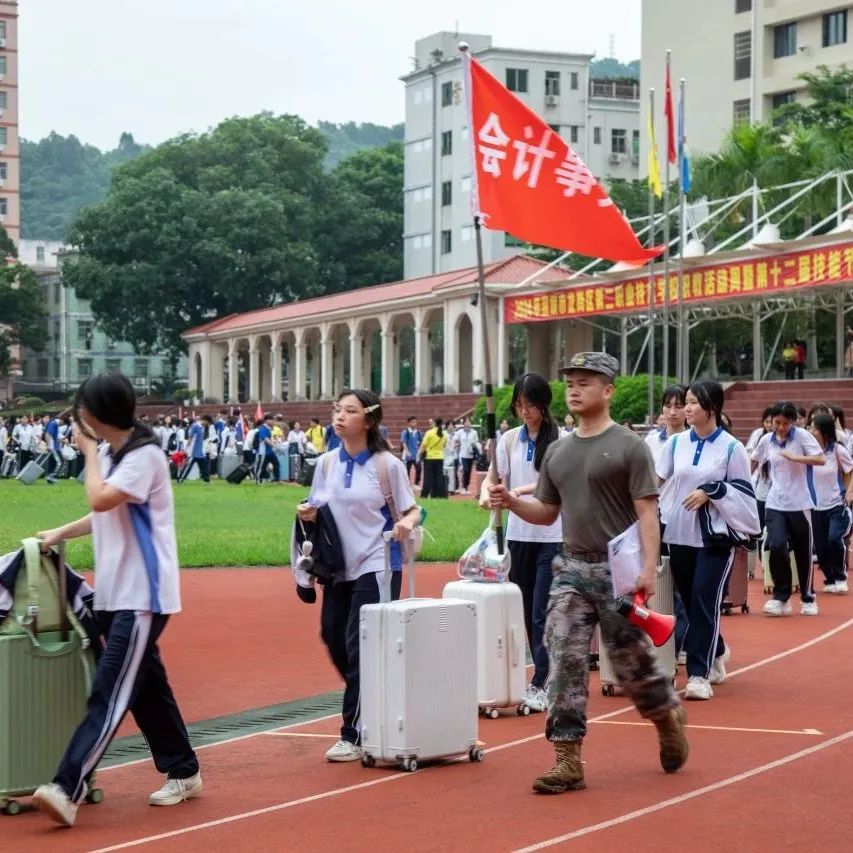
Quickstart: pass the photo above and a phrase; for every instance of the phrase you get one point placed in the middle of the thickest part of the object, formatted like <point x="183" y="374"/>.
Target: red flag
<point x="671" y="150"/>
<point x="530" y="183"/>
<point x="259" y="413"/>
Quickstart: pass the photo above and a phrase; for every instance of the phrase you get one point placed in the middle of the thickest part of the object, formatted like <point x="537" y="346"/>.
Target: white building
<point x="598" y="118"/>
<point x="740" y="58"/>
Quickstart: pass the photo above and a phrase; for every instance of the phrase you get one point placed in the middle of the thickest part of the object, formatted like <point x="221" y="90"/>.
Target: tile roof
<point x="512" y="270"/>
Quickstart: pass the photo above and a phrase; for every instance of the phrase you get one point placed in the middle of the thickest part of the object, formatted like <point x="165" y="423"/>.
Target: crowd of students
<point x="46" y="439"/>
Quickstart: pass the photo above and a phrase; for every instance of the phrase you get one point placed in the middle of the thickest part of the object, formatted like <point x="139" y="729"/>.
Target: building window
<point x="574" y="133"/>
<point x="574" y="79"/>
<point x="2" y="66"/>
<point x="509" y="240"/>
<point x="57" y="330"/>
<point x="835" y="28"/>
<point x="39" y="254"/>
<point x="446" y="94"/>
<point x="4" y="99"/>
<point x="555" y="128"/>
<point x="140" y="368"/>
<point x="3" y="171"/>
<point x="85" y="333"/>
<point x="2" y="29"/>
<point x="446" y="242"/>
<point x="618" y="141"/>
<point x="635" y="144"/>
<point x="782" y="98"/>
<point x="743" y="55"/>
<point x="741" y="111"/>
<point x="516" y="79"/>
<point x="41" y="366"/>
<point x="743" y="6"/>
<point x="4" y="206"/>
<point x="446" y="143"/>
<point x="113" y="365"/>
<point x="56" y="368"/>
<point x="56" y="293"/>
<point x="596" y="136"/>
<point x="4" y="135"/>
<point x="552" y="82"/>
<point x="84" y="368"/>
<point x="785" y="40"/>
<point x="446" y="193"/>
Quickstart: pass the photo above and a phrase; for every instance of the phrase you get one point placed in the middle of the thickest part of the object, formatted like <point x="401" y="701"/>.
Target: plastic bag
<point x="481" y="561"/>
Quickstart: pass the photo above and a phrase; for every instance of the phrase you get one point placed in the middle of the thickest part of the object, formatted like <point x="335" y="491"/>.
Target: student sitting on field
<point x="137" y="588"/>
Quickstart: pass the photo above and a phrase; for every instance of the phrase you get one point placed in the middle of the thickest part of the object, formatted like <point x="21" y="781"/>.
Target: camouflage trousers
<point x="581" y="596"/>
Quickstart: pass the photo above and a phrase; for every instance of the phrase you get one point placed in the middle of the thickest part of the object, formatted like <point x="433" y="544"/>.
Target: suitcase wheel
<point x="367" y="761"/>
<point x="11" y="807"/>
<point x="523" y="711"/>
<point x="744" y="608"/>
<point x="608" y="690"/>
<point x="492" y="713"/>
<point x="476" y="754"/>
<point x="95" y="796"/>
<point x="410" y="765"/>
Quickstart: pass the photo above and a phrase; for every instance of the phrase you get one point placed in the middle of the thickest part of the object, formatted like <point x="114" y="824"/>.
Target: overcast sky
<point x="96" y="68"/>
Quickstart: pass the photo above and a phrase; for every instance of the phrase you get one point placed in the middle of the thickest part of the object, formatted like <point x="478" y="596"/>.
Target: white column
<point x="316" y="377"/>
<point x="298" y="371"/>
<point x="339" y="354"/>
<point x="387" y="363"/>
<point x="275" y="369"/>
<point x="254" y="373"/>
<point x="356" y="361"/>
<point x="422" y="360"/>
<point x="326" y="366"/>
<point x="233" y="368"/>
<point x="451" y="376"/>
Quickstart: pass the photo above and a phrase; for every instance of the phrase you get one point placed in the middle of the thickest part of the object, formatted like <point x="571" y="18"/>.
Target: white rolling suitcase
<point x="30" y="473"/>
<point x="418" y="680"/>
<point x="501" y="665"/>
<point x="663" y="601"/>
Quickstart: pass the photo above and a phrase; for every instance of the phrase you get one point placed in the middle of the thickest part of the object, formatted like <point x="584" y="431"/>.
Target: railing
<point x="614" y="89"/>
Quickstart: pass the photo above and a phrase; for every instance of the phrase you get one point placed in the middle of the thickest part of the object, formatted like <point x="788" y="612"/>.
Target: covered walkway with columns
<point x="419" y="337"/>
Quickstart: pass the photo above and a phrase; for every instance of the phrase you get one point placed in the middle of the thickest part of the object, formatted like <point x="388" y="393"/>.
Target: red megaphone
<point x="658" y="626"/>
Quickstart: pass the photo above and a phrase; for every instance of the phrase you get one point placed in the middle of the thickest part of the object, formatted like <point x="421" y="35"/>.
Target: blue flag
<point x="683" y="154"/>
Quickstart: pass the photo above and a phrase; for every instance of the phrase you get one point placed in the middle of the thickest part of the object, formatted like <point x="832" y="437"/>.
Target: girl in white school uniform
<point x="136" y="590"/>
<point x="712" y="510"/>
<point x="831" y="518"/>
<point x="792" y="453"/>
<point x="349" y="481"/>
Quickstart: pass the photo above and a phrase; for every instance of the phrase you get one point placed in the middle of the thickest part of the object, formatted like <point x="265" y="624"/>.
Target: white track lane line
<point x="811" y="732"/>
<point x="690" y="795"/>
<point x="398" y="776"/>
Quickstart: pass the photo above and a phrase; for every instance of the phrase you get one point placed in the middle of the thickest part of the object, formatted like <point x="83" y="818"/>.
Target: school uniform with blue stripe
<point x="702" y="542"/>
<point x="136" y="590"/>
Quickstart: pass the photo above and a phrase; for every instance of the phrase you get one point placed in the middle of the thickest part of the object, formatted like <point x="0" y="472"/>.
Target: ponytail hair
<point x="439" y="423"/>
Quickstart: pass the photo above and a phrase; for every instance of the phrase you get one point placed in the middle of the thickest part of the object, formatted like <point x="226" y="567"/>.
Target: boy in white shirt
<point x="132" y="524"/>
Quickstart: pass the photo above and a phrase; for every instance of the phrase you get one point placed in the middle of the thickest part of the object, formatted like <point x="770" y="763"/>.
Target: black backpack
<point x="256" y="441"/>
<point x="172" y="441"/>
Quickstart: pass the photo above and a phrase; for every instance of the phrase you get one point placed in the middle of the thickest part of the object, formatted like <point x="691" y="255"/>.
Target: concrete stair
<point x="745" y="401"/>
<point x="395" y="410"/>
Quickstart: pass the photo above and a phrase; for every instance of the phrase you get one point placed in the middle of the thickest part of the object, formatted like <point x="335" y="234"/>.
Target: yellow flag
<point x="654" y="164"/>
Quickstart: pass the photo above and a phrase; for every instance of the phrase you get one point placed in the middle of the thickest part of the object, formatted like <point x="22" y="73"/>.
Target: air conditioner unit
<point x="615" y="159"/>
<point x="551" y="100"/>
<point x="2" y="42"/>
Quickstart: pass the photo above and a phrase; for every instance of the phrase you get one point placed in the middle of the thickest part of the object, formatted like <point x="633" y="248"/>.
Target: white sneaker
<point x="342" y="751"/>
<point x="55" y="803"/>
<point x="774" y="607"/>
<point x="698" y="688"/>
<point x="717" y="675"/>
<point x="831" y="588"/>
<point x="809" y="608"/>
<point x="176" y="791"/>
<point x="841" y="588"/>
<point x="535" y="698"/>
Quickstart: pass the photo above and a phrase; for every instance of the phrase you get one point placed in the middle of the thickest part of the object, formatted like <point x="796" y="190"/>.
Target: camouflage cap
<point x="596" y="362"/>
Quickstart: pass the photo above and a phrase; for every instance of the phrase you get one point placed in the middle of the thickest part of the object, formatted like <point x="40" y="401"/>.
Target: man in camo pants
<point x="601" y="479"/>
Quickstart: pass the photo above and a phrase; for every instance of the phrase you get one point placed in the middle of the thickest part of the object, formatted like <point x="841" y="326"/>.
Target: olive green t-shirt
<point x="595" y="481"/>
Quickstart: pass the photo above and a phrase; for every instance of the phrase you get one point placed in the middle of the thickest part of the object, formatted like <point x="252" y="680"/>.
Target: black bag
<point x="327" y="555"/>
<point x="172" y="441"/>
<point x="239" y="474"/>
<point x="482" y="462"/>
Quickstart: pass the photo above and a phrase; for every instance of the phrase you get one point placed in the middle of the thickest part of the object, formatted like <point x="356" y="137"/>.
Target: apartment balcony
<point x="615" y="90"/>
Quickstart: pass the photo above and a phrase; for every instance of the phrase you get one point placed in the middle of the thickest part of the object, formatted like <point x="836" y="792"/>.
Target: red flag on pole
<point x="259" y="413"/>
<point x="671" y="149"/>
<point x="529" y="182"/>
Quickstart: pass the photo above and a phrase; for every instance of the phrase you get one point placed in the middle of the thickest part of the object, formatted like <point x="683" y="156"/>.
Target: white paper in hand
<point x="625" y="556"/>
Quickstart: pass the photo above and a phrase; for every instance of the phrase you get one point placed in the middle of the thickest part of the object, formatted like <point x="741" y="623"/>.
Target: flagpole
<point x="651" y="242"/>
<point x="491" y="424"/>
<point x="681" y="344"/>
<point x="666" y="242"/>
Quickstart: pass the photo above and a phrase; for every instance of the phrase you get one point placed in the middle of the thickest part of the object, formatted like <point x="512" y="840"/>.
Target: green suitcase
<point x="45" y="673"/>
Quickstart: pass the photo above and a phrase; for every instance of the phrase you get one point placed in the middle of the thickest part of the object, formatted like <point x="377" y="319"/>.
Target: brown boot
<point x="567" y="773"/>
<point x="672" y="740"/>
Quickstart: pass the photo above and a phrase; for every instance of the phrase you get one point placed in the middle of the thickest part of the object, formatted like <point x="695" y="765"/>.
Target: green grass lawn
<point x="220" y="524"/>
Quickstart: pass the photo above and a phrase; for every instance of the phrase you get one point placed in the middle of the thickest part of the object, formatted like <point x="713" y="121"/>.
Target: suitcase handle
<point x="513" y="645"/>
<point x="408" y="555"/>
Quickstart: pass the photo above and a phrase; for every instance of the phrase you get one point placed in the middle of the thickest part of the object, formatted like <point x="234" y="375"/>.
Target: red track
<point x="246" y="641"/>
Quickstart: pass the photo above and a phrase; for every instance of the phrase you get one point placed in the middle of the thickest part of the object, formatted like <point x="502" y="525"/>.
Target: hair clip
<point x="373" y="408"/>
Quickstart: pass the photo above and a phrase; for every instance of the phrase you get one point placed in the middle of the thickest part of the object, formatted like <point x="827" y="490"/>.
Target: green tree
<point x="347" y="138"/>
<point x="203" y="225"/>
<point x="23" y="318"/>
<point x="828" y="104"/>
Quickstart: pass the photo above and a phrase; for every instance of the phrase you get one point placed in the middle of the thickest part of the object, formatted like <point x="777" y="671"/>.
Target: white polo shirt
<point x="522" y="473"/>
<point x="791" y="483"/>
<point x="136" y="555"/>
<point x="689" y="462"/>
<point x="351" y="489"/>
<point x="656" y="441"/>
<point x="828" y="478"/>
